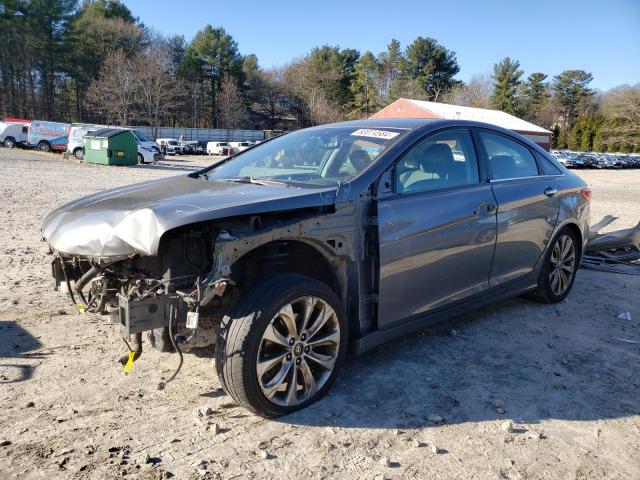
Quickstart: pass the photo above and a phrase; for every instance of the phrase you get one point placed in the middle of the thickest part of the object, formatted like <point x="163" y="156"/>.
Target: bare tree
<point x="270" y="96"/>
<point x="113" y="93"/>
<point x="231" y="108"/>
<point x="156" y="89"/>
<point x="477" y="93"/>
<point x="320" y="110"/>
<point x="622" y="107"/>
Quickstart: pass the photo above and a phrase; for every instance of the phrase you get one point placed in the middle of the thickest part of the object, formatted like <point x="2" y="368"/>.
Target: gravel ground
<point x="516" y="390"/>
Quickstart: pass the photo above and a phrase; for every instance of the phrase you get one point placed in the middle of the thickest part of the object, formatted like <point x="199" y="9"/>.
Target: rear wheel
<point x="559" y="268"/>
<point x="44" y="147"/>
<point x="140" y="159"/>
<point x="9" y="142"/>
<point x="281" y="347"/>
<point x="78" y="153"/>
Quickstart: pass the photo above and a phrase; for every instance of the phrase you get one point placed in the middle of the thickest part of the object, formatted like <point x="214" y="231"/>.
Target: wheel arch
<point x="297" y="255"/>
<point x="575" y="229"/>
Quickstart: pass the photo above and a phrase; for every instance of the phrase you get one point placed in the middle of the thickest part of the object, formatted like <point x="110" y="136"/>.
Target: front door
<point x="437" y="231"/>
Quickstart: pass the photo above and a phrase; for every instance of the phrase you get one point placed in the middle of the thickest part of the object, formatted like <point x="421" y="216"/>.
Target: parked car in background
<point x="13" y="134"/>
<point x="47" y="136"/>
<point x="219" y="148"/>
<point x="169" y="146"/>
<point x="75" y="142"/>
<point x="193" y="147"/>
<point x="353" y="233"/>
<point x="148" y="150"/>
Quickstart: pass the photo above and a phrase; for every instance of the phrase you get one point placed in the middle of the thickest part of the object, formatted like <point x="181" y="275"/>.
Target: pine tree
<point x="571" y="89"/>
<point x="214" y="53"/>
<point x="390" y="71"/>
<point x="536" y="94"/>
<point x="431" y="67"/>
<point x="506" y="81"/>
<point x="366" y="86"/>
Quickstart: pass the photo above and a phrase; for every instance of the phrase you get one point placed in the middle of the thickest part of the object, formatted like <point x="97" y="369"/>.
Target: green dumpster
<point x="110" y="146"/>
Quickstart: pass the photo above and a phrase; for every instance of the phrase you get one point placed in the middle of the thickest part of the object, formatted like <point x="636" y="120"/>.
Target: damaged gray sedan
<point x="344" y="235"/>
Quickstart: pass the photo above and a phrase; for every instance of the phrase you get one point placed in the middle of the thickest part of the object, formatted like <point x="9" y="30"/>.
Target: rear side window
<point x="443" y="160"/>
<point x="547" y="166"/>
<point x="508" y="159"/>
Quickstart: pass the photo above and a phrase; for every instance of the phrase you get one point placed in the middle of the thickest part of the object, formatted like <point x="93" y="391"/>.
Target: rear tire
<point x="245" y="346"/>
<point x="140" y="159"/>
<point x="79" y="153"/>
<point x="9" y="142"/>
<point x="559" y="269"/>
<point x="44" y="147"/>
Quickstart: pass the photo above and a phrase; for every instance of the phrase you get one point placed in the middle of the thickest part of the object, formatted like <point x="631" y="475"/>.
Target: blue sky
<point x="602" y="37"/>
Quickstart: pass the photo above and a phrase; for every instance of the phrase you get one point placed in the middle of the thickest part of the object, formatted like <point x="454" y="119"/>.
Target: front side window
<point x="318" y="156"/>
<point x="508" y="159"/>
<point x="443" y="160"/>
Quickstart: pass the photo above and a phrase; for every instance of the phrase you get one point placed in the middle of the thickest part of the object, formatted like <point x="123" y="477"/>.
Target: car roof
<point x="415" y="123"/>
<point x="402" y="123"/>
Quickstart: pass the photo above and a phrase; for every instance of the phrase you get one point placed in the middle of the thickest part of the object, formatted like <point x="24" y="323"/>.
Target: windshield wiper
<point x="246" y="179"/>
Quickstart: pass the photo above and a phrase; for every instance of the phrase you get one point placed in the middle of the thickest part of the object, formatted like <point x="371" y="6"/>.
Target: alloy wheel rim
<point x="563" y="264"/>
<point x="298" y="351"/>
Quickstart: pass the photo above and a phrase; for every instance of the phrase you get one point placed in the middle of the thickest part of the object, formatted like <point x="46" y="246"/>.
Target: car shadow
<point x="521" y="370"/>
<point x="17" y="347"/>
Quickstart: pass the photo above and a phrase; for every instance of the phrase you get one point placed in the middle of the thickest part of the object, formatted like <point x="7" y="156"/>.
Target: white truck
<point x="13" y="134"/>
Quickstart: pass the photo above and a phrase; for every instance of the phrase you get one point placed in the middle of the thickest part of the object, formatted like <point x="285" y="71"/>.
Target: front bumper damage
<point x="140" y="303"/>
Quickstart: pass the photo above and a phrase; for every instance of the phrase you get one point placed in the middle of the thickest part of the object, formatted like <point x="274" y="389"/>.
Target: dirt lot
<point x="570" y="388"/>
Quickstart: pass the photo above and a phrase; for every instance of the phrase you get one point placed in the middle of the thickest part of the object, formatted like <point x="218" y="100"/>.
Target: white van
<point x="240" y="146"/>
<point x="13" y="134"/>
<point x="171" y="145"/>
<point x="75" y="142"/>
<point x="217" y="148"/>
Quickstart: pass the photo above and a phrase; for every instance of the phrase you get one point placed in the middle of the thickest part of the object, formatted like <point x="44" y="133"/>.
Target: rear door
<point x="528" y="205"/>
<point x="437" y="230"/>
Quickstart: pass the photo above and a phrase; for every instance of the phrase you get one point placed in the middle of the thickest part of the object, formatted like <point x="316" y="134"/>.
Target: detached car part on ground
<point x="346" y="234"/>
<point x="616" y="252"/>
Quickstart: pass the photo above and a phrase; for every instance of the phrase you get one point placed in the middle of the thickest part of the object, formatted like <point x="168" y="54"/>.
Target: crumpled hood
<point x="129" y="220"/>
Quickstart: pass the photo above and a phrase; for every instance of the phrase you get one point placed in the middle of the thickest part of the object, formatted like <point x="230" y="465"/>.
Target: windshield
<point x="319" y="156"/>
<point x="172" y="142"/>
<point x="140" y="136"/>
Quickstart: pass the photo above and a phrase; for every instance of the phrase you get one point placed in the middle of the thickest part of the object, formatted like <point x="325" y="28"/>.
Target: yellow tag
<point x="129" y="365"/>
<point x="80" y="308"/>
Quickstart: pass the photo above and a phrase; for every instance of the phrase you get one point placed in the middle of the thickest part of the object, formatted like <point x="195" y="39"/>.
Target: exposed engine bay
<point x="180" y="295"/>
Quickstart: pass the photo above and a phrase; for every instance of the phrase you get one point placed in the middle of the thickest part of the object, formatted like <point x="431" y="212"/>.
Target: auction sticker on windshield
<point x="369" y="132"/>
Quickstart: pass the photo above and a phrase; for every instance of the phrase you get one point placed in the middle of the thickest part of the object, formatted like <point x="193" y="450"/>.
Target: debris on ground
<point x="616" y="252"/>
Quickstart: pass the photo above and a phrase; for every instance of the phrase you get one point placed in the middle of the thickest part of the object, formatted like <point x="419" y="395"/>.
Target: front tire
<point x="559" y="270"/>
<point x="282" y="345"/>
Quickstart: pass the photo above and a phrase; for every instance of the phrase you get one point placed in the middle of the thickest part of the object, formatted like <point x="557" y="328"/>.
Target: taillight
<point x="586" y="194"/>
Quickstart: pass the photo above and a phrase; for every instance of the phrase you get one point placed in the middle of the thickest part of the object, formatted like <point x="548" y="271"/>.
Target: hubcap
<point x="298" y="351"/>
<point x="563" y="263"/>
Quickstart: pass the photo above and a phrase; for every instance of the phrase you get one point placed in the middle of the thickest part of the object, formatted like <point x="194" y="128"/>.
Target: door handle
<point x="550" y="191"/>
<point x="488" y="207"/>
